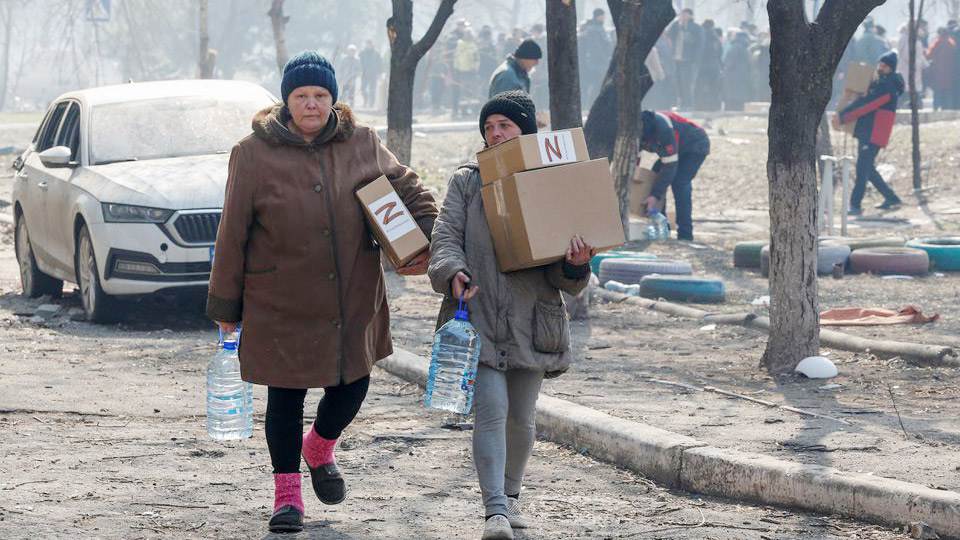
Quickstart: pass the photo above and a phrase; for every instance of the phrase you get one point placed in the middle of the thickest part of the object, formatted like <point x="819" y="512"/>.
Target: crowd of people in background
<point x="694" y="65"/>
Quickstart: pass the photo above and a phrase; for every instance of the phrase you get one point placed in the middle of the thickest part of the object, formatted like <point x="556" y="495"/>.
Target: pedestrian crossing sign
<point x="98" y="10"/>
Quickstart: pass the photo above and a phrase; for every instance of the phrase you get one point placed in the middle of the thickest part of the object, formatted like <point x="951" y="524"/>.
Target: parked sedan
<point x="122" y="188"/>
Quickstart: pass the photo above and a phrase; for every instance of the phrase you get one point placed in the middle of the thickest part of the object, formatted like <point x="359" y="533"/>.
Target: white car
<point x="122" y="188"/>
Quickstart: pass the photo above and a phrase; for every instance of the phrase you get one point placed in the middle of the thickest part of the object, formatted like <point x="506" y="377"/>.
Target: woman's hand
<point x="651" y="203"/>
<point x="580" y="251"/>
<point x="417" y="266"/>
<point x="459" y="284"/>
<point x="227" y="327"/>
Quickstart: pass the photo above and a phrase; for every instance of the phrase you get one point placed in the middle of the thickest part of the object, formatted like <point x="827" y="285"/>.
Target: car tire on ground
<point x="860" y="243"/>
<point x="747" y="254"/>
<point x="631" y="271"/>
<point x="100" y="307"/>
<point x="35" y="283"/>
<point x="700" y="290"/>
<point x="890" y="260"/>
<point x="944" y="252"/>
<point x="617" y="254"/>
<point x="829" y="254"/>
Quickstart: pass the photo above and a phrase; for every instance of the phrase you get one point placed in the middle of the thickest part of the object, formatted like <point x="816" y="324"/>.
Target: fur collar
<point x="270" y="124"/>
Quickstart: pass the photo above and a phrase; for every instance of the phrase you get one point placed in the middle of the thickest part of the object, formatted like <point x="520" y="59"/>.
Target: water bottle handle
<point x="462" y="296"/>
<point x="220" y="330"/>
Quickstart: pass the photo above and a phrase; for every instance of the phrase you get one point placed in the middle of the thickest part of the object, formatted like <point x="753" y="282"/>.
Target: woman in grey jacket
<point x="520" y="316"/>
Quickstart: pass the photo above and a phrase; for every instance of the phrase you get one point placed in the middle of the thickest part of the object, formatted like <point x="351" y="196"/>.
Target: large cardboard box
<point x="643" y="180"/>
<point x="858" y="77"/>
<point x="391" y="222"/>
<point x="848" y="97"/>
<point x="529" y="152"/>
<point x="534" y="214"/>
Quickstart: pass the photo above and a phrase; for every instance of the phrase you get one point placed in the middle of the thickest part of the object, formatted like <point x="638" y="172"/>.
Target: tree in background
<point x="564" y="69"/>
<point x="804" y="57"/>
<point x="602" y="123"/>
<point x="404" y="57"/>
<point x="207" y="57"/>
<point x="279" y="22"/>
<point x="914" y="95"/>
<point x="614" y="125"/>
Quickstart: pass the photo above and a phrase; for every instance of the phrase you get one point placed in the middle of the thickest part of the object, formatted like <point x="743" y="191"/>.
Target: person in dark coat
<point x="687" y="38"/>
<point x="513" y="73"/>
<point x="682" y="147"/>
<point x="295" y="264"/>
<point x="941" y="74"/>
<point x="736" y="73"/>
<point x="953" y="30"/>
<point x="594" y="49"/>
<point x="869" y="46"/>
<point x="372" y="66"/>
<point x="709" y="75"/>
<point x="874" y="114"/>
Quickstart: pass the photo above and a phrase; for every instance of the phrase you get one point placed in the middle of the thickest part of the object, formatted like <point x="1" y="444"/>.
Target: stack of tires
<point x="663" y="278"/>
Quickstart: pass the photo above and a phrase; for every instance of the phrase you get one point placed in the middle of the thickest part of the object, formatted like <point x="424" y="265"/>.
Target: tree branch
<point x="835" y="25"/>
<point x="421" y="47"/>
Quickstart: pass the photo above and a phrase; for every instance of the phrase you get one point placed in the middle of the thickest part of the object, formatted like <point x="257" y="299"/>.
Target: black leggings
<point x="284" y="421"/>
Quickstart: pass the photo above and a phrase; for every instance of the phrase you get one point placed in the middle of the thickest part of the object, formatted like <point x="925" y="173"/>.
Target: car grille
<point x="198" y="228"/>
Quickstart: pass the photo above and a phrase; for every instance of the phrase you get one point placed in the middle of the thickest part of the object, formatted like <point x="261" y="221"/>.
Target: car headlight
<point x="125" y="213"/>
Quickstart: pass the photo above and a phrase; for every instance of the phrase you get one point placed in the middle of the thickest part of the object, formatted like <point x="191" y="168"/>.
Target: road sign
<point x="98" y="10"/>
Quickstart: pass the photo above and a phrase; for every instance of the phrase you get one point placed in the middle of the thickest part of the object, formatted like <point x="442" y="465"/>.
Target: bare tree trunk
<point x="602" y="123"/>
<point x="564" y="69"/>
<point x="629" y="126"/>
<point x="279" y="23"/>
<point x="914" y="95"/>
<point x="206" y="58"/>
<point x="7" y="14"/>
<point x="804" y="57"/>
<point x="404" y="57"/>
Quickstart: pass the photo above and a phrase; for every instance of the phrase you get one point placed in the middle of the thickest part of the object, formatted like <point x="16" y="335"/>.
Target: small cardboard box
<point x="643" y="180"/>
<point x="391" y="222"/>
<point x="848" y="97"/>
<point x="534" y="214"/>
<point x="529" y="152"/>
<point x="858" y="77"/>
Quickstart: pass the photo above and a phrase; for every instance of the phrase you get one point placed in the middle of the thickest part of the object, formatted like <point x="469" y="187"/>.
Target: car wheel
<point x="98" y="304"/>
<point x="34" y="282"/>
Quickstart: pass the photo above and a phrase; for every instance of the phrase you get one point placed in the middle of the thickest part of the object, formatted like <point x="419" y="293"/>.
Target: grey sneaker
<point x="497" y="528"/>
<point x="515" y="514"/>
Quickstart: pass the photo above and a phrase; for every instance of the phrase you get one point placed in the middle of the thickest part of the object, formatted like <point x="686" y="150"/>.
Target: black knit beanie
<point x="890" y="59"/>
<point x="308" y="69"/>
<point x="528" y="49"/>
<point x="515" y="105"/>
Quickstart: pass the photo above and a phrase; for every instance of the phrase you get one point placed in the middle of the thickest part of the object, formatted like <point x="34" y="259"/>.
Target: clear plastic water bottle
<point x="616" y="286"/>
<point x="229" y="398"/>
<point x="659" y="228"/>
<point x="453" y="368"/>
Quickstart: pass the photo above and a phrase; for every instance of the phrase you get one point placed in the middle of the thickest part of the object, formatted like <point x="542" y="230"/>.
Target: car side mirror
<point x="56" y="157"/>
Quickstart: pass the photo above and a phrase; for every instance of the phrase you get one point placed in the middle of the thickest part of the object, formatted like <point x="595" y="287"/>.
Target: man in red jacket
<point x="874" y="114"/>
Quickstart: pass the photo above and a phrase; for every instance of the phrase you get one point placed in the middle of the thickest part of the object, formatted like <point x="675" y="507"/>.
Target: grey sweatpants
<point x="504" y="431"/>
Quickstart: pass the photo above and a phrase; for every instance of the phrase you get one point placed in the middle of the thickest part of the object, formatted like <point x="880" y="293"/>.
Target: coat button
<point x="331" y="276"/>
<point x="335" y="321"/>
<point x="325" y="232"/>
<point x="318" y="188"/>
<point x="503" y="353"/>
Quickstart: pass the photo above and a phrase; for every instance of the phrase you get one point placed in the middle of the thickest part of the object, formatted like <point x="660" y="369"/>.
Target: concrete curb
<point x="683" y="462"/>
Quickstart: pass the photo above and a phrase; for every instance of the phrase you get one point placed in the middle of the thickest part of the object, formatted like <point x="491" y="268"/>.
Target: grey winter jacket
<point x="520" y="315"/>
<point x="509" y="76"/>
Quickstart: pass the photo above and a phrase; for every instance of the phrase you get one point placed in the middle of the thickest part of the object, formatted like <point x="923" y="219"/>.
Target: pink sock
<point x="317" y="450"/>
<point x="286" y="491"/>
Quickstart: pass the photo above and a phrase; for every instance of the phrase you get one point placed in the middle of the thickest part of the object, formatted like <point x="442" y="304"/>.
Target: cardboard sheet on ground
<point x="874" y="316"/>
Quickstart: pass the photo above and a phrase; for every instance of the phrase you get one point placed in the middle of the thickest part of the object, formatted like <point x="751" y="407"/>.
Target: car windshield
<point x="170" y="127"/>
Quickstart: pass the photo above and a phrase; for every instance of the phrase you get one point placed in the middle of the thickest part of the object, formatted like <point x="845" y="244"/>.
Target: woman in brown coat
<point x="295" y="263"/>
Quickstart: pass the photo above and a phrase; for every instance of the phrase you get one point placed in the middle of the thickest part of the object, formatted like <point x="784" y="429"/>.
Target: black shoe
<point x="286" y="519"/>
<point x="855" y="211"/>
<point x="890" y="205"/>
<point x="328" y="483"/>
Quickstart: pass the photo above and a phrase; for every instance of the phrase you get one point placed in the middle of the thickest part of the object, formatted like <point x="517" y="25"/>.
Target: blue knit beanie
<point x="890" y="59"/>
<point x="308" y="69"/>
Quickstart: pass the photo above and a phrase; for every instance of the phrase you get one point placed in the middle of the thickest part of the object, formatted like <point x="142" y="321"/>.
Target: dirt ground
<point x="85" y="403"/>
